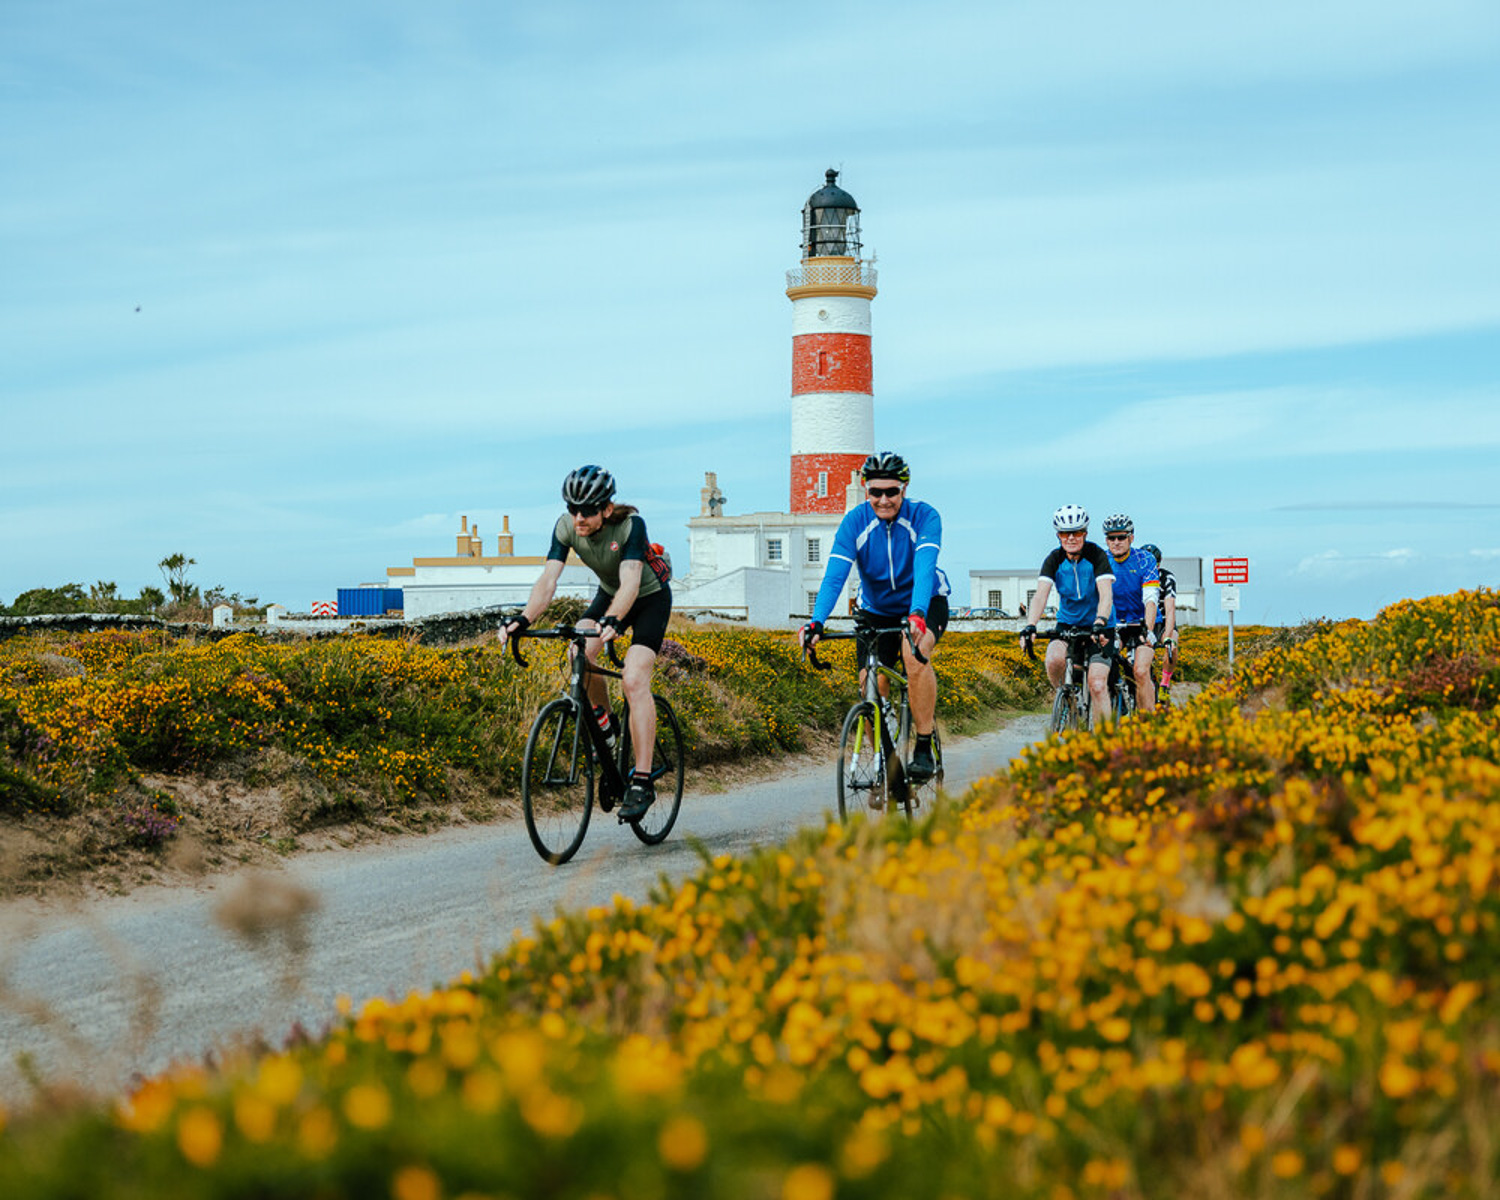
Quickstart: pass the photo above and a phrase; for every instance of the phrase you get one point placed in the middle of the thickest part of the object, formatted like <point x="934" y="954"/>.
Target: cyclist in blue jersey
<point x="894" y="544"/>
<point x="1137" y="584"/>
<point x="1084" y="577"/>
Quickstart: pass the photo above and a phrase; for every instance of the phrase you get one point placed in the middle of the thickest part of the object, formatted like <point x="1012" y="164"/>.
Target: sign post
<point x="1231" y="572"/>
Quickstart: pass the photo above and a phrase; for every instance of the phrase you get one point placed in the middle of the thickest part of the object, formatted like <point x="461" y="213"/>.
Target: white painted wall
<point x="450" y="589"/>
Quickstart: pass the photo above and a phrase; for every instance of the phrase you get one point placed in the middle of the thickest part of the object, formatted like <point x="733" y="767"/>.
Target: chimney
<point x="505" y="544"/>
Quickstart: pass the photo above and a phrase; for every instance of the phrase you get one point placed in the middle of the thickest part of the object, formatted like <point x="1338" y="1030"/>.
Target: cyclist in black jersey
<point x="611" y="541"/>
<point x="1166" y="611"/>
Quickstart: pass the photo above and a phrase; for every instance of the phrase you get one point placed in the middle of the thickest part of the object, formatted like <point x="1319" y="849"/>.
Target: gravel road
<point x="100" y="992"/>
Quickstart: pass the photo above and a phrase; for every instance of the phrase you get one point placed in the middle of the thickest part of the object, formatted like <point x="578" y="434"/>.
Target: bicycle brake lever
<point x="916" y="653"/>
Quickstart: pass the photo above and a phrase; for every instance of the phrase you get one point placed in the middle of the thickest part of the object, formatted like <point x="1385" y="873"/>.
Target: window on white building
<point x="814" y="550"/>
<point x="997" y="600"/>
<point x="812" y="601"/>
<point x="822" y="483"/>
<point x="773" y="549"/>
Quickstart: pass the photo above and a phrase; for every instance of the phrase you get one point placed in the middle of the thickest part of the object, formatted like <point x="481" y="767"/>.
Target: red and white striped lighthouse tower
<point x="833" y="394"/>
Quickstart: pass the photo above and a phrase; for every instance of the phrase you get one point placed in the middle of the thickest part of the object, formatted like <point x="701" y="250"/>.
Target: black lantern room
<point x="830" y="221"/>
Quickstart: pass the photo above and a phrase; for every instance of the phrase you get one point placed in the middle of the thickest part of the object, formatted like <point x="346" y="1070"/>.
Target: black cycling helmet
<point x="1154" y="551"/>
<point x="1118" y="523"/>
<point x="887" y="464"/>
<point x="589" y="485"/>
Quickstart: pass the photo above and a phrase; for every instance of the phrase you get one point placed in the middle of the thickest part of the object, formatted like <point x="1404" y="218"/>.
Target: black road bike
<point x="878" y="737"/>
<point x="567" y="749"/>
<point x="1072" y="704"/>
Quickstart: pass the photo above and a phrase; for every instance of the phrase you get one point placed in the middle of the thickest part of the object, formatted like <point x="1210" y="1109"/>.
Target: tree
<point x="174" y="568"/>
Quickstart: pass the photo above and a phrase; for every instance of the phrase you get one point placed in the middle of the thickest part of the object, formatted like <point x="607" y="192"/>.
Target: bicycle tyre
<point x="863" y="782"/>
<point x="667" y="773"/>
<point x="918" y="794"/>
<point x="1064" y="711"/>
<point x="557" y="782"/>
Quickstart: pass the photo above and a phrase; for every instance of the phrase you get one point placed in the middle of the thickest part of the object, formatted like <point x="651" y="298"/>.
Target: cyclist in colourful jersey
<point x="894" y="543"/>
<point x="1137" y="582"/>
<point x="1166" y="617"/>
<point x="611" y="541"/>
<point x="1084" y="577"/>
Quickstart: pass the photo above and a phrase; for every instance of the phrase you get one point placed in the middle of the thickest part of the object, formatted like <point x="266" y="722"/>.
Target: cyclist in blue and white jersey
<point x="1084" y="577"/>
<point x="894" y="544"/>
<point x="1137" y="583"/>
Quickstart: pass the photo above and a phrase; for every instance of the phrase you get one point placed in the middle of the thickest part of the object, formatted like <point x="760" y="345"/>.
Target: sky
<point x="291" y="288"/>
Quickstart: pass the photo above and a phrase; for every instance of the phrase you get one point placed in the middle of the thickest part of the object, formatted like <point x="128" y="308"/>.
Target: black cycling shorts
<point x="1132" y="634"/>
<point x="646" y="620"/>
<point x="1103" y="655"/>
<point x="888" y="645"/>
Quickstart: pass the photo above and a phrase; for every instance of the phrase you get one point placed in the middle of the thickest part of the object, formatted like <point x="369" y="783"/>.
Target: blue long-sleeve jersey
<point x="897" y="561"/>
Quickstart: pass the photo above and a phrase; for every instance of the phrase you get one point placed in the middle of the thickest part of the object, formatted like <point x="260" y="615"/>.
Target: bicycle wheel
<point x="863" y="781"/>
<point x="1065" y="712"/>
<point x="666" y="773"/>
<point x="557" y="782"/>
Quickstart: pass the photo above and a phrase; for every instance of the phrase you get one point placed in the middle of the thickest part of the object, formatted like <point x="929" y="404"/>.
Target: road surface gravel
<point x="103" y="991"/>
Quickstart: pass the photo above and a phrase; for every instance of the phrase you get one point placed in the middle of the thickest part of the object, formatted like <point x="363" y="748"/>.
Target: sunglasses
<point x="584" y="510"/>
<point x="1115" y="537"/>
<point x="883" y="493"/>
<point x="1071" y="533"/>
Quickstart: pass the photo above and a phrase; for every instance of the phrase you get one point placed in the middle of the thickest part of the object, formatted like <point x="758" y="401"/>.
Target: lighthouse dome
<point x="830" y="195"/>
<point x="830" y="221"/>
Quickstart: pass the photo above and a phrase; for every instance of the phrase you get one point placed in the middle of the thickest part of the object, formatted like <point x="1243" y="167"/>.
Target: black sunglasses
<point x="882" y="493"/>
<point x="584" y="510"/>
<point x="1115" y="537"/>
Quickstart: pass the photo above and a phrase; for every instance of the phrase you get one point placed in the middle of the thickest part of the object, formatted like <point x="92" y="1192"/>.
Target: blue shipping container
<point x="369" y="601"/>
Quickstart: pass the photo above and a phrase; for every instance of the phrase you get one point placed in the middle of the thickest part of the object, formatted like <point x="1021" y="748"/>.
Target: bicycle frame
<point x="880" y="772"/>
<point x="1073" y="703"/>
<point x="611" y="780"/>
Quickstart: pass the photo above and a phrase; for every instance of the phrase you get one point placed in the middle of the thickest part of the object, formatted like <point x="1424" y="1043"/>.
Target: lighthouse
<point x="765" y="568"/>
<point x="833" y="396"/>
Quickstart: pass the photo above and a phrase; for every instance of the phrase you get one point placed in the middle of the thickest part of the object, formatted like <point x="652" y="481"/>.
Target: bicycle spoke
<point x="557" y="782"/>
<point x="666" y="775"/>
<point x="862" y="770"/>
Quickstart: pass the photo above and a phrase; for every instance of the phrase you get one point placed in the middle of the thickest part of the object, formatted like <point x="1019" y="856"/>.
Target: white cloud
<point x="1335" y="563"/>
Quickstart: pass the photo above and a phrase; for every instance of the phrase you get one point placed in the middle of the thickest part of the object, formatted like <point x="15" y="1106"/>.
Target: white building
<point x="1011" y="590"/>
<point x="469" y="578"/>
<point x="762" y="568"/>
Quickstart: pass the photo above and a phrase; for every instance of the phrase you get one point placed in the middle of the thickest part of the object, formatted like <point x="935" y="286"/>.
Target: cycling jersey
<point x="1077" y="583"/>
<point x="1136" y="584"/>
<point x="897" y="561"/>
<point x="604" y="551"/>
<point x="1168" y="588"/>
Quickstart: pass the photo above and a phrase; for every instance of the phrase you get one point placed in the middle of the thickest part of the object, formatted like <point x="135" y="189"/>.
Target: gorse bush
<point x="1244" y="949"/>
<point x="384" y="724"/>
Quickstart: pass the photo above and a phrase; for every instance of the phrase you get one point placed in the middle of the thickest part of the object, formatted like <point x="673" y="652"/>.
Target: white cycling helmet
<point x="1070" y="518"/>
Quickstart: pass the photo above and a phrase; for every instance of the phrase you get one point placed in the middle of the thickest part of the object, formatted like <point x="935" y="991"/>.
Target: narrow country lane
<point x="107" y="990"/>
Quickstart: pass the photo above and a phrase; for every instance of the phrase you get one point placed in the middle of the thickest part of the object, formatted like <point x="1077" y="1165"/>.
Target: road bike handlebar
<point x="572" y="633"/>
<point x="1059" y="635"/>
<point x="871" y="630"/>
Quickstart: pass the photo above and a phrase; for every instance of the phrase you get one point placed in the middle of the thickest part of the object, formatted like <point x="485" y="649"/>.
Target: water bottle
<point x="892" y="724"/>
<point x="606" y="721"/>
